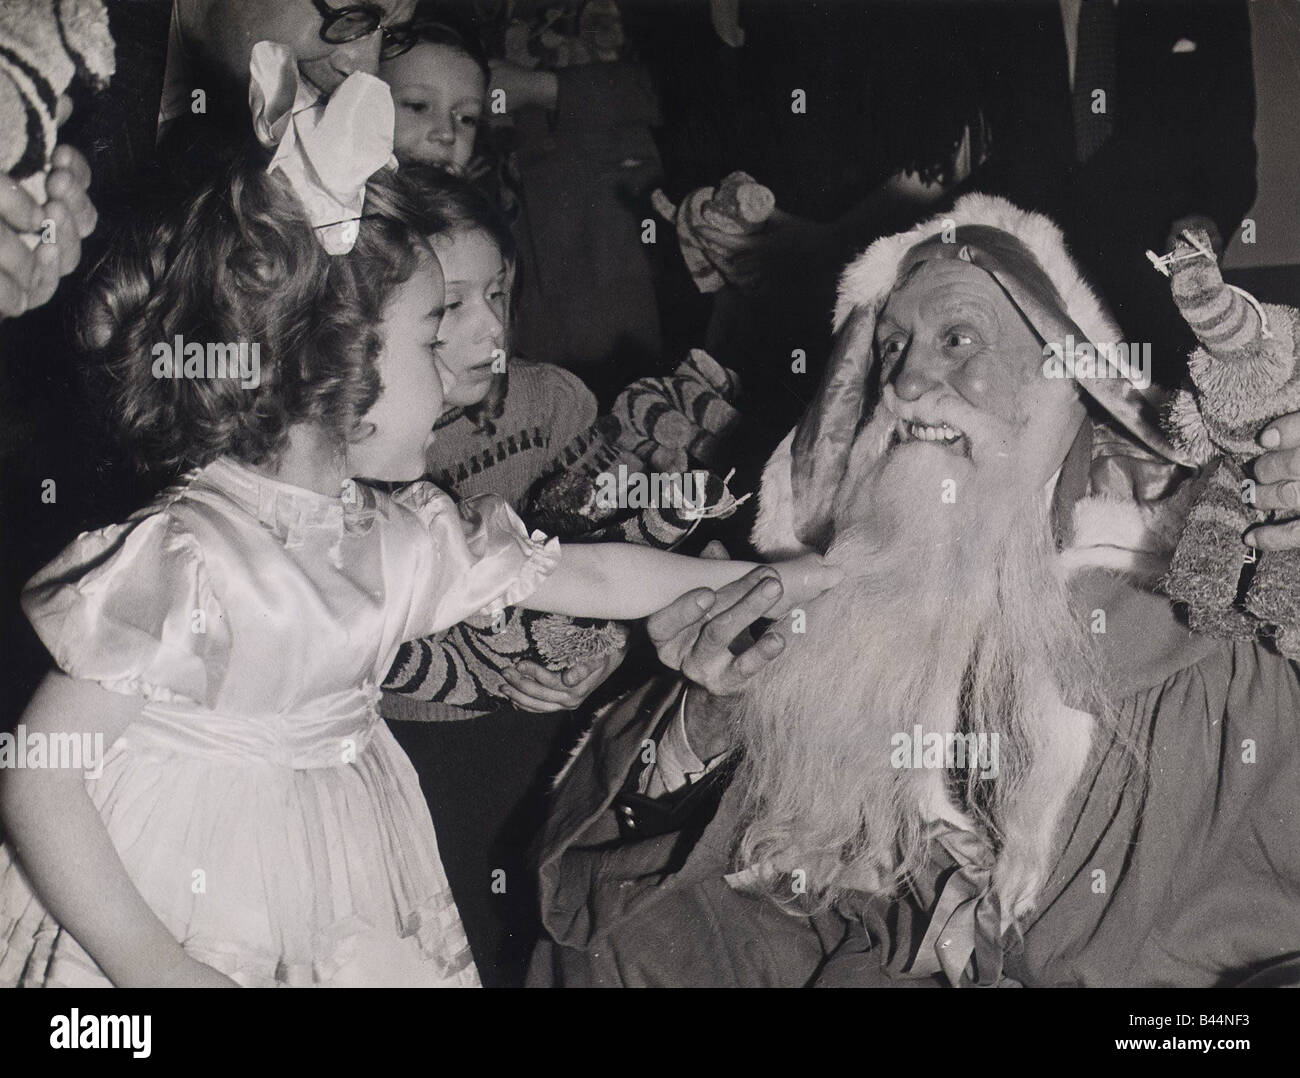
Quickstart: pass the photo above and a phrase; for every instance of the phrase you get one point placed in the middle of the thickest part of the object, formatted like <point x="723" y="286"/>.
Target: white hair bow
<point x="327" y="150"/>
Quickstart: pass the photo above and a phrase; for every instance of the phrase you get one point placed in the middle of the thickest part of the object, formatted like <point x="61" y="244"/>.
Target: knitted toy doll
<point x="1244" y="375"/>
<point x="43" y="43"/>
<point x="739" y="205"/>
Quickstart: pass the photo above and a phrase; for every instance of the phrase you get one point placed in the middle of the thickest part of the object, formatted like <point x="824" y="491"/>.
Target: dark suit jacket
<point x="1183" y="113"/>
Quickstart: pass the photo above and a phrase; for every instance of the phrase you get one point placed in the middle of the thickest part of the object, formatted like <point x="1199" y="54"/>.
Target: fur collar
<point x="1132" y="539"/>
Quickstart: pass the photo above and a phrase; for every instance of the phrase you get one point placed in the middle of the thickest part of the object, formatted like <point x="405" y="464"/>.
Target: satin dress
<point x="259" y="803"/>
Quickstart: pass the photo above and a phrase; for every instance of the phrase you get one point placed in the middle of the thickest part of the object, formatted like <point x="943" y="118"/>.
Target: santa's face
<point x="961" y="377"/>
<point x="953" y="615"/>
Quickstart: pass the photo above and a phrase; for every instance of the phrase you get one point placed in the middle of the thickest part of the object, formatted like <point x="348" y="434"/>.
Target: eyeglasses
<point x="355" y="21"/>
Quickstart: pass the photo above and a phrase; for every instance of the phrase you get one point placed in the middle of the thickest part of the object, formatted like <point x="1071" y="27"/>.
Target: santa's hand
<point x="697" y="633"/>
<point x="1277" y="485"/>
<point x="802" y="580"/>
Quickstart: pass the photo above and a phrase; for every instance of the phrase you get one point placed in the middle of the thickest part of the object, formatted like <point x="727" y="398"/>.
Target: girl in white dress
<point x="251" y="820"/>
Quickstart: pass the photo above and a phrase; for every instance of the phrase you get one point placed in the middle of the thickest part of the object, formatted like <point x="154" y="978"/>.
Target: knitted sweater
<point x="546" y="409"/>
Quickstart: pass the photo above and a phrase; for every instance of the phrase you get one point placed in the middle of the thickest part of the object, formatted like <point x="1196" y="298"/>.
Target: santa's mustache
<point x="944" y="419"/>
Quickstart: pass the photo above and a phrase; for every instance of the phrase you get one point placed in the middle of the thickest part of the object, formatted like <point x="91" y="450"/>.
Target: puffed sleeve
<point x="132" y="608"/>
<point x="484" y="558"/>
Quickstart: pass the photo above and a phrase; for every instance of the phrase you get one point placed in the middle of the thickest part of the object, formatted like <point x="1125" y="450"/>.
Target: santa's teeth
<point x="927" y="432"/>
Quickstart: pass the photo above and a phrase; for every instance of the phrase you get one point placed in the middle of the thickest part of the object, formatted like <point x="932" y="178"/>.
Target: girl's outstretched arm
<point x="622" y="582"/>
<point x="61" y="841"/>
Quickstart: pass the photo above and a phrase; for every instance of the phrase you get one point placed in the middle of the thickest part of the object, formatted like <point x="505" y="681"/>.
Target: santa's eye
<point x="891" y="347"/>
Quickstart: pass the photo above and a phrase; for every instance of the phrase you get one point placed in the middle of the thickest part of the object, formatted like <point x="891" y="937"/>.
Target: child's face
<point x="413" y="382"/>
<point x="473" y="330"/>
<point x="438" y="96"/>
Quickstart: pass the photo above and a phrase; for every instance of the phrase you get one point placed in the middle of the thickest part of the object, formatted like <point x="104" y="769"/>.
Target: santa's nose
<point x="923" y="370"/>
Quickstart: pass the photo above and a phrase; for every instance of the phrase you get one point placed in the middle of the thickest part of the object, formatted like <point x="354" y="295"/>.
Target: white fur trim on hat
<point x="870" y="277"/>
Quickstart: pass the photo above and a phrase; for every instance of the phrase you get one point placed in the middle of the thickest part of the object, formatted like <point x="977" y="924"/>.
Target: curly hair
<point x="240" y="263"/>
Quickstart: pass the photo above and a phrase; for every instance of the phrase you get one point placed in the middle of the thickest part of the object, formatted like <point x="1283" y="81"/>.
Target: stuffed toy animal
<point x="669" y="422"/>
<point x="43" y="43"/>
<point x="1244" y="374"/>
<point x="739" y="205"/>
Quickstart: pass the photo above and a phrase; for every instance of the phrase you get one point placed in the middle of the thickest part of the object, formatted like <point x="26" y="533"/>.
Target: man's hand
<point x="750" y="261"/>
<point x="18" y="213"/>
<point x="1277" y="479"/>
<point x="696" y="634"/>
<point x="68" y="205"/>
<point x="29" y="278"/>
<point x="534" y="688"/>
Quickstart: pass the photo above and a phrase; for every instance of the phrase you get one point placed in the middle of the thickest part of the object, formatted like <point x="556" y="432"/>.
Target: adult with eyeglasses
<point x="178" y="106"/>
<point x="210" y="42"/>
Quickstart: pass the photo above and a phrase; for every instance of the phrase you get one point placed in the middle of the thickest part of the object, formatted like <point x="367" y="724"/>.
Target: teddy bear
<point x="43" y="44"/>
<point x="1243" y="374"/>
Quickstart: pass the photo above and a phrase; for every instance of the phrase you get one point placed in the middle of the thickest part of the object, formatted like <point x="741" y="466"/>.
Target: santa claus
<point x="995" y="754"/>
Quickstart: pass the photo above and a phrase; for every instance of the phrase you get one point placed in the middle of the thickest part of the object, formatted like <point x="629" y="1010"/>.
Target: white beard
<point x="953" y="616"/>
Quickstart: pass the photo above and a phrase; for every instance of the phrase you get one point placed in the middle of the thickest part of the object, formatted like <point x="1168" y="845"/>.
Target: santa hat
<point x="1127" y="459"/>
